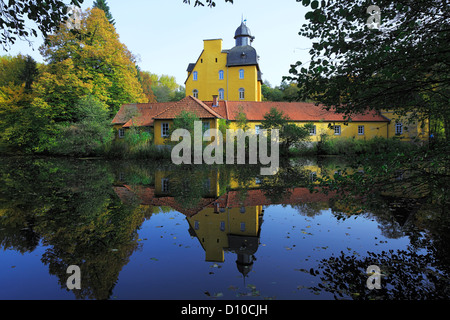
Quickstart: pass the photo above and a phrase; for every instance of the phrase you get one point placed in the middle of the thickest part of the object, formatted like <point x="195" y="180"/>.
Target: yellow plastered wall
<point x="349" y="130"/>
<point x="207" y="226"/>
<point x="116" y="128"/>
<point x="211" y="61"/>
<point x="160" y="140"/>
<point x="250" y="84"/>
<point x="411" y="129"/>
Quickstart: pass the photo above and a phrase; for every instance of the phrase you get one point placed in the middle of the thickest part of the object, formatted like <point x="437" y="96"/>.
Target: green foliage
<point x="284" y="92"/>
<point x="351" y="146"/>
<point x="46" y="14"/>
<point x="403" y="66"/>
<point x="122" y="150"/>
<point x="18" y="70"/>
<point x="184" y="120"/>
<point x="241" y="120"/>
<point x="274" y="119"/>
<point x="165" y="87"/>
<point x="137" y="137"/>
<point x="89" y="61"/>
<point x="290" y="135"/>
<point x="25" y="121"/>
<point x="88" y="136"/>
<point x="102" y="4"/>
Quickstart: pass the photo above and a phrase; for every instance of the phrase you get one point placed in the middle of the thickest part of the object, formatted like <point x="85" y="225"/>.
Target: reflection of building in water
<point x="228" y="227"/>
<point x="228" y="221"/>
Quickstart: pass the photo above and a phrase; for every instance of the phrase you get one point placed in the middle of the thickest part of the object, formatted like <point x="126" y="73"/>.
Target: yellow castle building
<point x="222" y="84"/>
<point x="232" y="75"/>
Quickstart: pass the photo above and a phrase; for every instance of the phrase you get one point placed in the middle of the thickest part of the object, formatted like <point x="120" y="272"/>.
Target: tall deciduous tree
<point x="18" y="70"/>
<point x="101" y="4"/>
<point x="87" y="61"/>
<point x="146" y="82"/>
<point x="394" y="55"/>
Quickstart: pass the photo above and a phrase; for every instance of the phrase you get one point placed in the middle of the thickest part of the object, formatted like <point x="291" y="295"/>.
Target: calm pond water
<point x="146" y="230"/>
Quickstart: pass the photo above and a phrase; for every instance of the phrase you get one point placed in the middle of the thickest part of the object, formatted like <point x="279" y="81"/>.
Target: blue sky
<point x="167" y="35"/>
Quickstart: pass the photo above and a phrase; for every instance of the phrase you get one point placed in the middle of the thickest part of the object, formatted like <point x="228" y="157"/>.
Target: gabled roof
<point x="139" y="114"/>
<point x="296" y="111"/>
<point x="188" y="104"/>
<point x="144" y="114"/>
<point x="259" y="197"/>
<point x="231" y="199"/>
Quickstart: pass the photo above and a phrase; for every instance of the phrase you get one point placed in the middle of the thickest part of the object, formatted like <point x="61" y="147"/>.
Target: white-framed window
<point x="221" y="94"/>
<point x="242" y="226"/>
<point x="121" y="133"/>
<point x="222" y="225"/>
<point x="337" y="130"/>
<point x="221" y="74"/>
<point x="195" y="75"/>
<point x="312" y="131"/>
<point x="205" y="126"/>
<point x="195" y="93"/>
<point x="241" y="74"/>
<point x="258" y="129"/>
<point x="165" y="185"/>
<point x="241" y="94"/>
<point x="398" y="128"/>
<point x="165" y="129"/>
<point x="360" y="130"/>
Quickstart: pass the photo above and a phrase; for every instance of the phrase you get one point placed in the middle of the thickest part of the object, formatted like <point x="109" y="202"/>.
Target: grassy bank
<point x="350" y="146"/>
<point x="333" y="147"/>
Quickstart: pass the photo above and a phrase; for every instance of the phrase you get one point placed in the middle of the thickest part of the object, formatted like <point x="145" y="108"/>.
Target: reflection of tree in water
<point x="406" y="274"/>
<point x="188" y="184"/>
<point x="420" y="272"/>
<point x="311" y="209"/>
<point x="70" y="207"/>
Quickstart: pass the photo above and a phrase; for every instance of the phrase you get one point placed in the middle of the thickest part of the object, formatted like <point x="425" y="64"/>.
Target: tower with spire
<point x="232" y="74"/>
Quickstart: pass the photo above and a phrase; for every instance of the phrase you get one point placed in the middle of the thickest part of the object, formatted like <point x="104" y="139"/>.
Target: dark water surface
<point x="144" y="230"/>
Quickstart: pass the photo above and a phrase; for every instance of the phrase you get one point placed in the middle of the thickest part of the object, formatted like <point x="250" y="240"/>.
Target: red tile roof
<point x="231" y="199"/>
<point x="188" y="104"/>
<point x="139" y="114"/>
<point x="296" y="111"/>
<point x="254" y="110"/>
<point x="257" y="197"/>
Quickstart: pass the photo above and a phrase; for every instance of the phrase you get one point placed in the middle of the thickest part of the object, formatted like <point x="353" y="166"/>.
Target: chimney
<point x="215" y="103"/>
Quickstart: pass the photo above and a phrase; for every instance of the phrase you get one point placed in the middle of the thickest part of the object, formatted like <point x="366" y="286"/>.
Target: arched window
<point x="221" y="75"/>
<point x="221" y="94"/>
<point x="195" y="75"/>
<point x="241" y="74"/>
<point x="241" y="94"/>
<point x="195" y="93"/>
